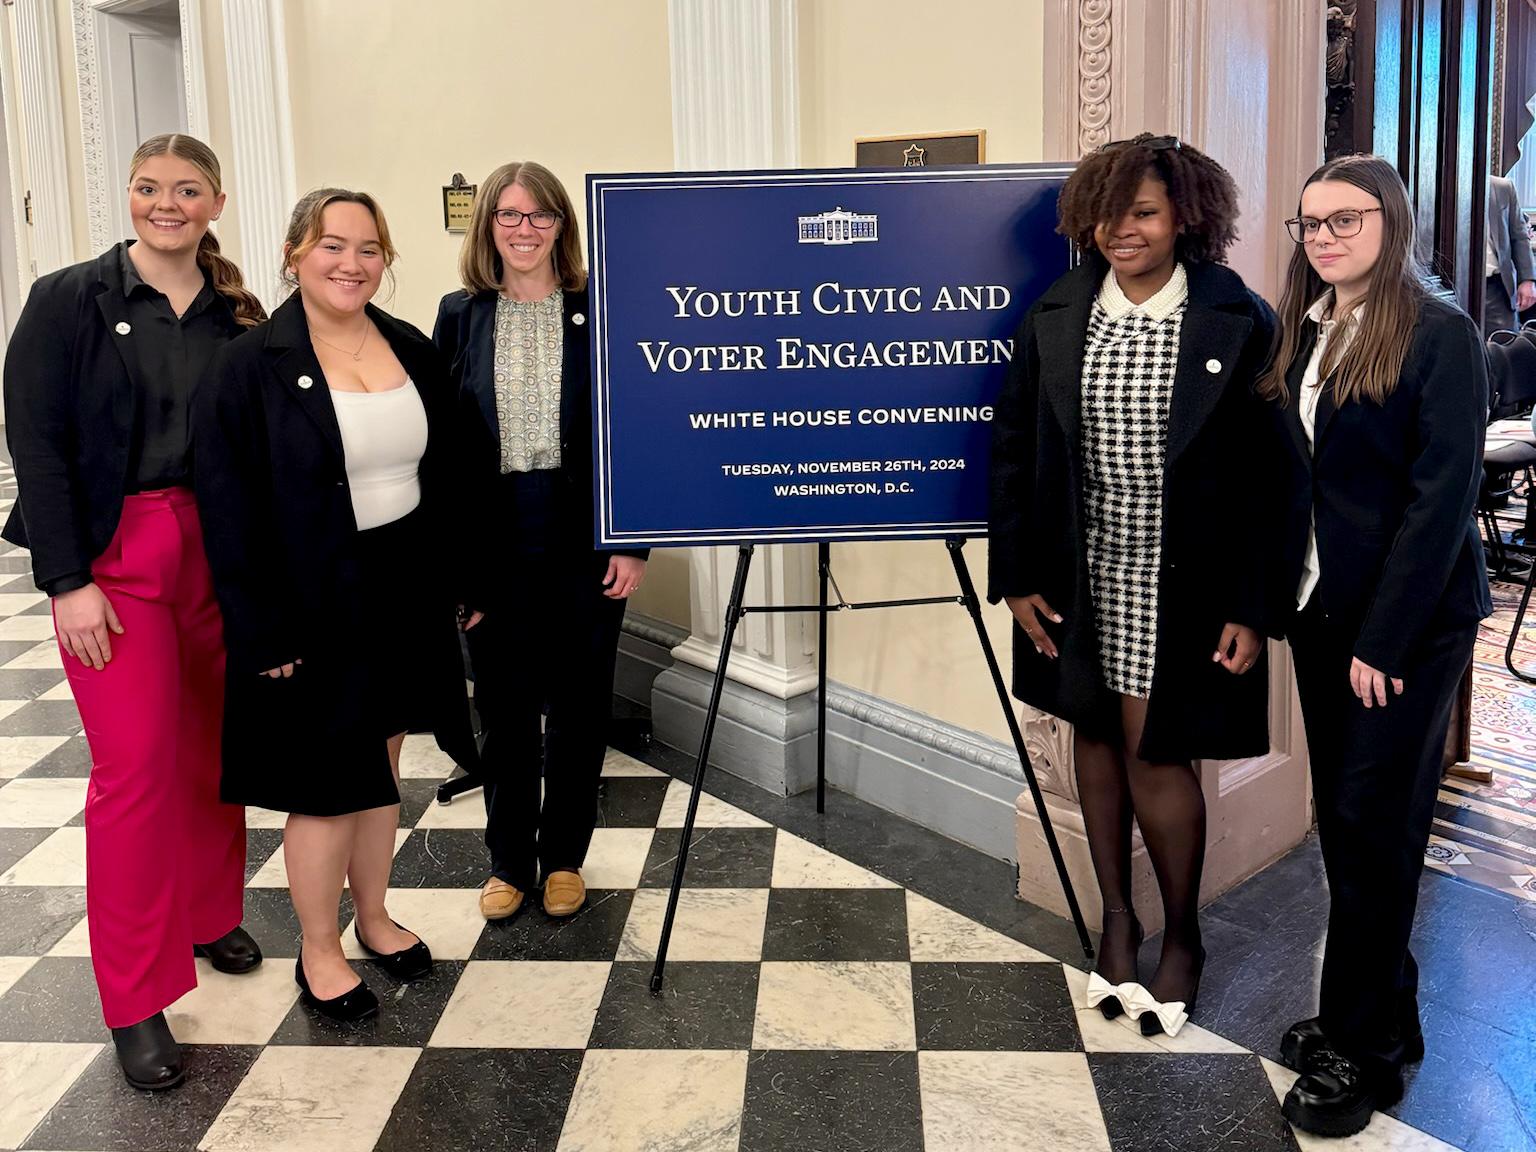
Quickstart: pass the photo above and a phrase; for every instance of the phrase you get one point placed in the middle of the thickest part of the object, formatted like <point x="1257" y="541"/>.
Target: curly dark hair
<point x="1103" y="188"/>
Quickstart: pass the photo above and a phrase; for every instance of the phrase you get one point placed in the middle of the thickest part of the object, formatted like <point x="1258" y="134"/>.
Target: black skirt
<point x="388" y="662"/>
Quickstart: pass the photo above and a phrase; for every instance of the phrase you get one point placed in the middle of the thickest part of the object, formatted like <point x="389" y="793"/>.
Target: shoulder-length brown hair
<point x="223" y="272"/>
<point x="304" y="229"/>
<point x="480" y="262"/>
<point x="1368" y="366"/>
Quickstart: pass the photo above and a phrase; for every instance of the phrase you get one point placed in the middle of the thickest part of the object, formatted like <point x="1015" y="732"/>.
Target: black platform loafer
<point x="149" y="1054"/>
<point x="407" y="964"/>
<point x="234" y="952"/>
<point x="355" y="1004"/>
<point x="1303" y="1038"/>
<point x="1337" y="1097"/>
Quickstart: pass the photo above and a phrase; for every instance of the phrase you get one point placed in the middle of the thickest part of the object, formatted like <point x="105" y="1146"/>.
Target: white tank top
<point x="383" y="435"/>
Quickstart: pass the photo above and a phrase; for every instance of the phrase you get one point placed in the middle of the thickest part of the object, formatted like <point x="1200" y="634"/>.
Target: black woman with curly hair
<point x="1127" y="548"/>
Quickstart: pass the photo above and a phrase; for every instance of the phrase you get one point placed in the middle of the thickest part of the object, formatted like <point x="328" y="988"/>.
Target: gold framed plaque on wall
<point x="921" y="150"/>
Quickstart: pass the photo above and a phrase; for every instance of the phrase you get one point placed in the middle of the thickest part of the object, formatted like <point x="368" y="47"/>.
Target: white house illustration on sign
<point x="839" y="226"/>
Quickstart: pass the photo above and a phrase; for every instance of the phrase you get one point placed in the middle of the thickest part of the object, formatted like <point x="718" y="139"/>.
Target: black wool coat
<point x="1216" y="544"/>
<point x="1393" y="491"/>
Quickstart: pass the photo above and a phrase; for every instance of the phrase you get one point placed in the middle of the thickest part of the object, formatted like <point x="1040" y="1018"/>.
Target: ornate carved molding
<point x="194" y="74"/>
<point x="93" y="133"/>
<point x="1094" y="61"/>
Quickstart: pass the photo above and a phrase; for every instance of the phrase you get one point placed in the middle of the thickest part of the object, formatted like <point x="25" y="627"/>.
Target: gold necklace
<point x="358" y="355"/>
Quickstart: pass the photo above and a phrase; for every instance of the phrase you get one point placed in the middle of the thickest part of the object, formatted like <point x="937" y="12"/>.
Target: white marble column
<point x="262" y="129"/>
<point x="735" y="104"/>
<point x="41" y="99"/>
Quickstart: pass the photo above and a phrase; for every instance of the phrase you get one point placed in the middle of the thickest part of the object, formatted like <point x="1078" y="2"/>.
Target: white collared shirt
<point x="1311" y="572"/>
<point x="1163" y="303"/>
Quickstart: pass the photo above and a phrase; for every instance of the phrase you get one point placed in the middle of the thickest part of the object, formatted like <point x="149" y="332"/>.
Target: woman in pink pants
<point x="98" y="380"/>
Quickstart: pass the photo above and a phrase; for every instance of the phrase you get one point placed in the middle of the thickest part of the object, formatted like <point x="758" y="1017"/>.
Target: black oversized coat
<point x="1218" y="532"/>
<point x="282" y="540"/>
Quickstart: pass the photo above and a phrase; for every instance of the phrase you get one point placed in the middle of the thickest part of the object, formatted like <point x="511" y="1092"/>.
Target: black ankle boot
<point x="234" y="952"/>
<point x="149" y="1054"/>
<point x="1337" y="1097"/>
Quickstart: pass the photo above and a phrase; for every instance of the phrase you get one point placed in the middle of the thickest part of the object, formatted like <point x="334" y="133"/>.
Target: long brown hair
<point x="304" y="229"/>
<point x="479" y="261"/>
<point x="1366" y="367"/>
<point x="222" y="271"/>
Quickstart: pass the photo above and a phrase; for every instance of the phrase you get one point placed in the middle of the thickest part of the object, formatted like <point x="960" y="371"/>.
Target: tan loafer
<point x="564" y="893"/>
<point x="499" y="900"/>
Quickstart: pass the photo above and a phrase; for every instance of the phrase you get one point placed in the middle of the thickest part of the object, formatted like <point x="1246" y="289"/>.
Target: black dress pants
<point x="1375" y="776"/>
<point x="546" y="648"/>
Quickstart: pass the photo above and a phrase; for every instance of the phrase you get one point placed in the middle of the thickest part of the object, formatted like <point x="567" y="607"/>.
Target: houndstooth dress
<point x="1128" y="369"/>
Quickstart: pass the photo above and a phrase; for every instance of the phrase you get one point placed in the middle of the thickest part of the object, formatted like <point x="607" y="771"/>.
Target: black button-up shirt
<point x="172" y="352"/>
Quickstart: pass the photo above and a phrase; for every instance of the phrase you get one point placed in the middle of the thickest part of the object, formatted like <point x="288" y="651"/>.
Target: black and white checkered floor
<point x="810" y="1003"/>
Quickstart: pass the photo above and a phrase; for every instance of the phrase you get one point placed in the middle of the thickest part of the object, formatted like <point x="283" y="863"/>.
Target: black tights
<point x="1115" y="784"/>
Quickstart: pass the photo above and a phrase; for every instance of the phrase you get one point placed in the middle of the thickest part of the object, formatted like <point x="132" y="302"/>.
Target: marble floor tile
<point x="523" y="1004"/>
<point x="71" y="759"/>
<point x="10" y="707"/>
<point x="832" y="1102"/>
<point x="32" y="1078"/>
<point x="416" y="797"/>
<point x="422" y="759"/>
<point x="459" y="1099"/>
<point x="42" y="718"/>
<point x="593" y="933"/>
<point x="798" y="863"/>
<point x="616" y="763"/>
<point x="448" y="919"/>
<point x="41" y="803"/>
<point x="1123" y="1034"/>
<point x="617" y="857"/>
<point x="462" y="812"/>
<point x="26" y="627"/>
<point x="270" y="918"/>
<point x="261" y="844"/>
<point x="313" y="1100"/>
<point x="1382" y="1134"/>
<point x="17" y="842"/>
<point x="13" y="603"/>
<point x="835" y="1005"/>
<point x="61" y="690"/>
<point x="717" y="858"/>
<point x="441" y="858"/>
<point x="937" y="934"/>
<point x="994" y="1007"/>
<point x="656" y="1101"/>
<point x="700" y="1005"/>
<point x="272" y="874"/>
<point x="75" y="942"/>
<point x="1197" y="1103"/>
<point x="18" y="753"/>
<point x="12" y="969"/>
<point x="54" y="1001"/>
<point x="33" y="920"/>
<point x="836" y="924"/>
<point x="408" y="1013"/>
<point x="630" y="801"/>
<point x="243" y="1009"/>
<point x="1005" y="1101"/>
<point x="711" y="924"/>
<point x="266" y="818"/>
<point x="44" y="655"/>
<point x="713" y="812"/>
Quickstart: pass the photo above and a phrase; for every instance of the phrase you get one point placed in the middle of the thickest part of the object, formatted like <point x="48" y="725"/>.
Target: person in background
<point x="99" y="378"/>
<point x="1508" y="262"/>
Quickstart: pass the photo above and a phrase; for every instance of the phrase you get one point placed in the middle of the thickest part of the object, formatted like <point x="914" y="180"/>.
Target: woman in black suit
<point x="516" y="339"/>
<point x="1381" y="395"/>
<point x="99" y="378"/>
<point x="325" y="475"/>
<point x="1126" y="550"/>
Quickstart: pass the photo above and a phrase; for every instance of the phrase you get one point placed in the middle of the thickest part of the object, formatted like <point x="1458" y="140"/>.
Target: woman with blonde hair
<point x="326" y="477"/>
<point x="99" y="378"/>
<point x="515" y="335"/>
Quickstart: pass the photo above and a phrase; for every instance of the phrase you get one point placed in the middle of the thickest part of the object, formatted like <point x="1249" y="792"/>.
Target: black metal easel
<point x="734" y="612"/>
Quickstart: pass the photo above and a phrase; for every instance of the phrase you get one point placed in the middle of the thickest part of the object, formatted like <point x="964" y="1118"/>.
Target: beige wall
<point x="878" y="68"/>
<point x="395" y="98"/>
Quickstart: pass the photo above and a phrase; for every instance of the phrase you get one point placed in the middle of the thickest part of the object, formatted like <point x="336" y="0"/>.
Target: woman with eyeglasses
<point x="1381" y="396"/>
<point x="1125" y="543"/>
<point x="516" y="339"/>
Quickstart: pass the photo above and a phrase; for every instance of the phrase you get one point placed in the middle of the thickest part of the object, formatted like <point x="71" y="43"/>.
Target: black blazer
<point x="465" y="334"/>
<point x="1214" y="549"/>
<point x="272" y="488"/>
<point x="1393" y="490"/>
<point x="71" y="387"/>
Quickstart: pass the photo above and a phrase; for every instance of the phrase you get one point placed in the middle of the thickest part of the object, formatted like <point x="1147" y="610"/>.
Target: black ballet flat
<point x="407" y="964"/>
<point x="351" y="1006"/>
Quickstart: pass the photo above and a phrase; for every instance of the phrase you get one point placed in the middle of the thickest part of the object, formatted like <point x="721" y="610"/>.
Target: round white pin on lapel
<point x="123" y="328"/>
<point x="1213" y="366"/>
<point x="306" y="382"/>
<point x="578" y="318"/>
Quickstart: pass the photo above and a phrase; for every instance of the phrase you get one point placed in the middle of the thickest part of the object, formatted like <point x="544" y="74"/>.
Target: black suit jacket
<point x="1215" y="549"/>
<point x="272" y="488"/>
<point x="71" y="387"/>
<point x="465" y="333"/>
<point x="1392" y="488"/>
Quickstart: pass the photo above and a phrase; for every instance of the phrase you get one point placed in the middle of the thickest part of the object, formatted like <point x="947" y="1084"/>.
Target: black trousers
<point x="547" y="647"/>
<point x="1375" y="776"/>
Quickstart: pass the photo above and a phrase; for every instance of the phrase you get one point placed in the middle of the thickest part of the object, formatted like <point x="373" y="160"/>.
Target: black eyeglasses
<point x="1342" y="225"/>
<point x="1155" y="143"/>
<point x="542" y="219"/>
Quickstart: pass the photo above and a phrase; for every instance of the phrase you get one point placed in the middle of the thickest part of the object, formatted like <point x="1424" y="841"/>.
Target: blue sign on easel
<point x="807" y="356"/>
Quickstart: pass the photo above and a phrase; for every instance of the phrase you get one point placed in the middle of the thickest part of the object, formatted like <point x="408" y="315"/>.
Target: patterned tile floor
<point x="841" y="982"/>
